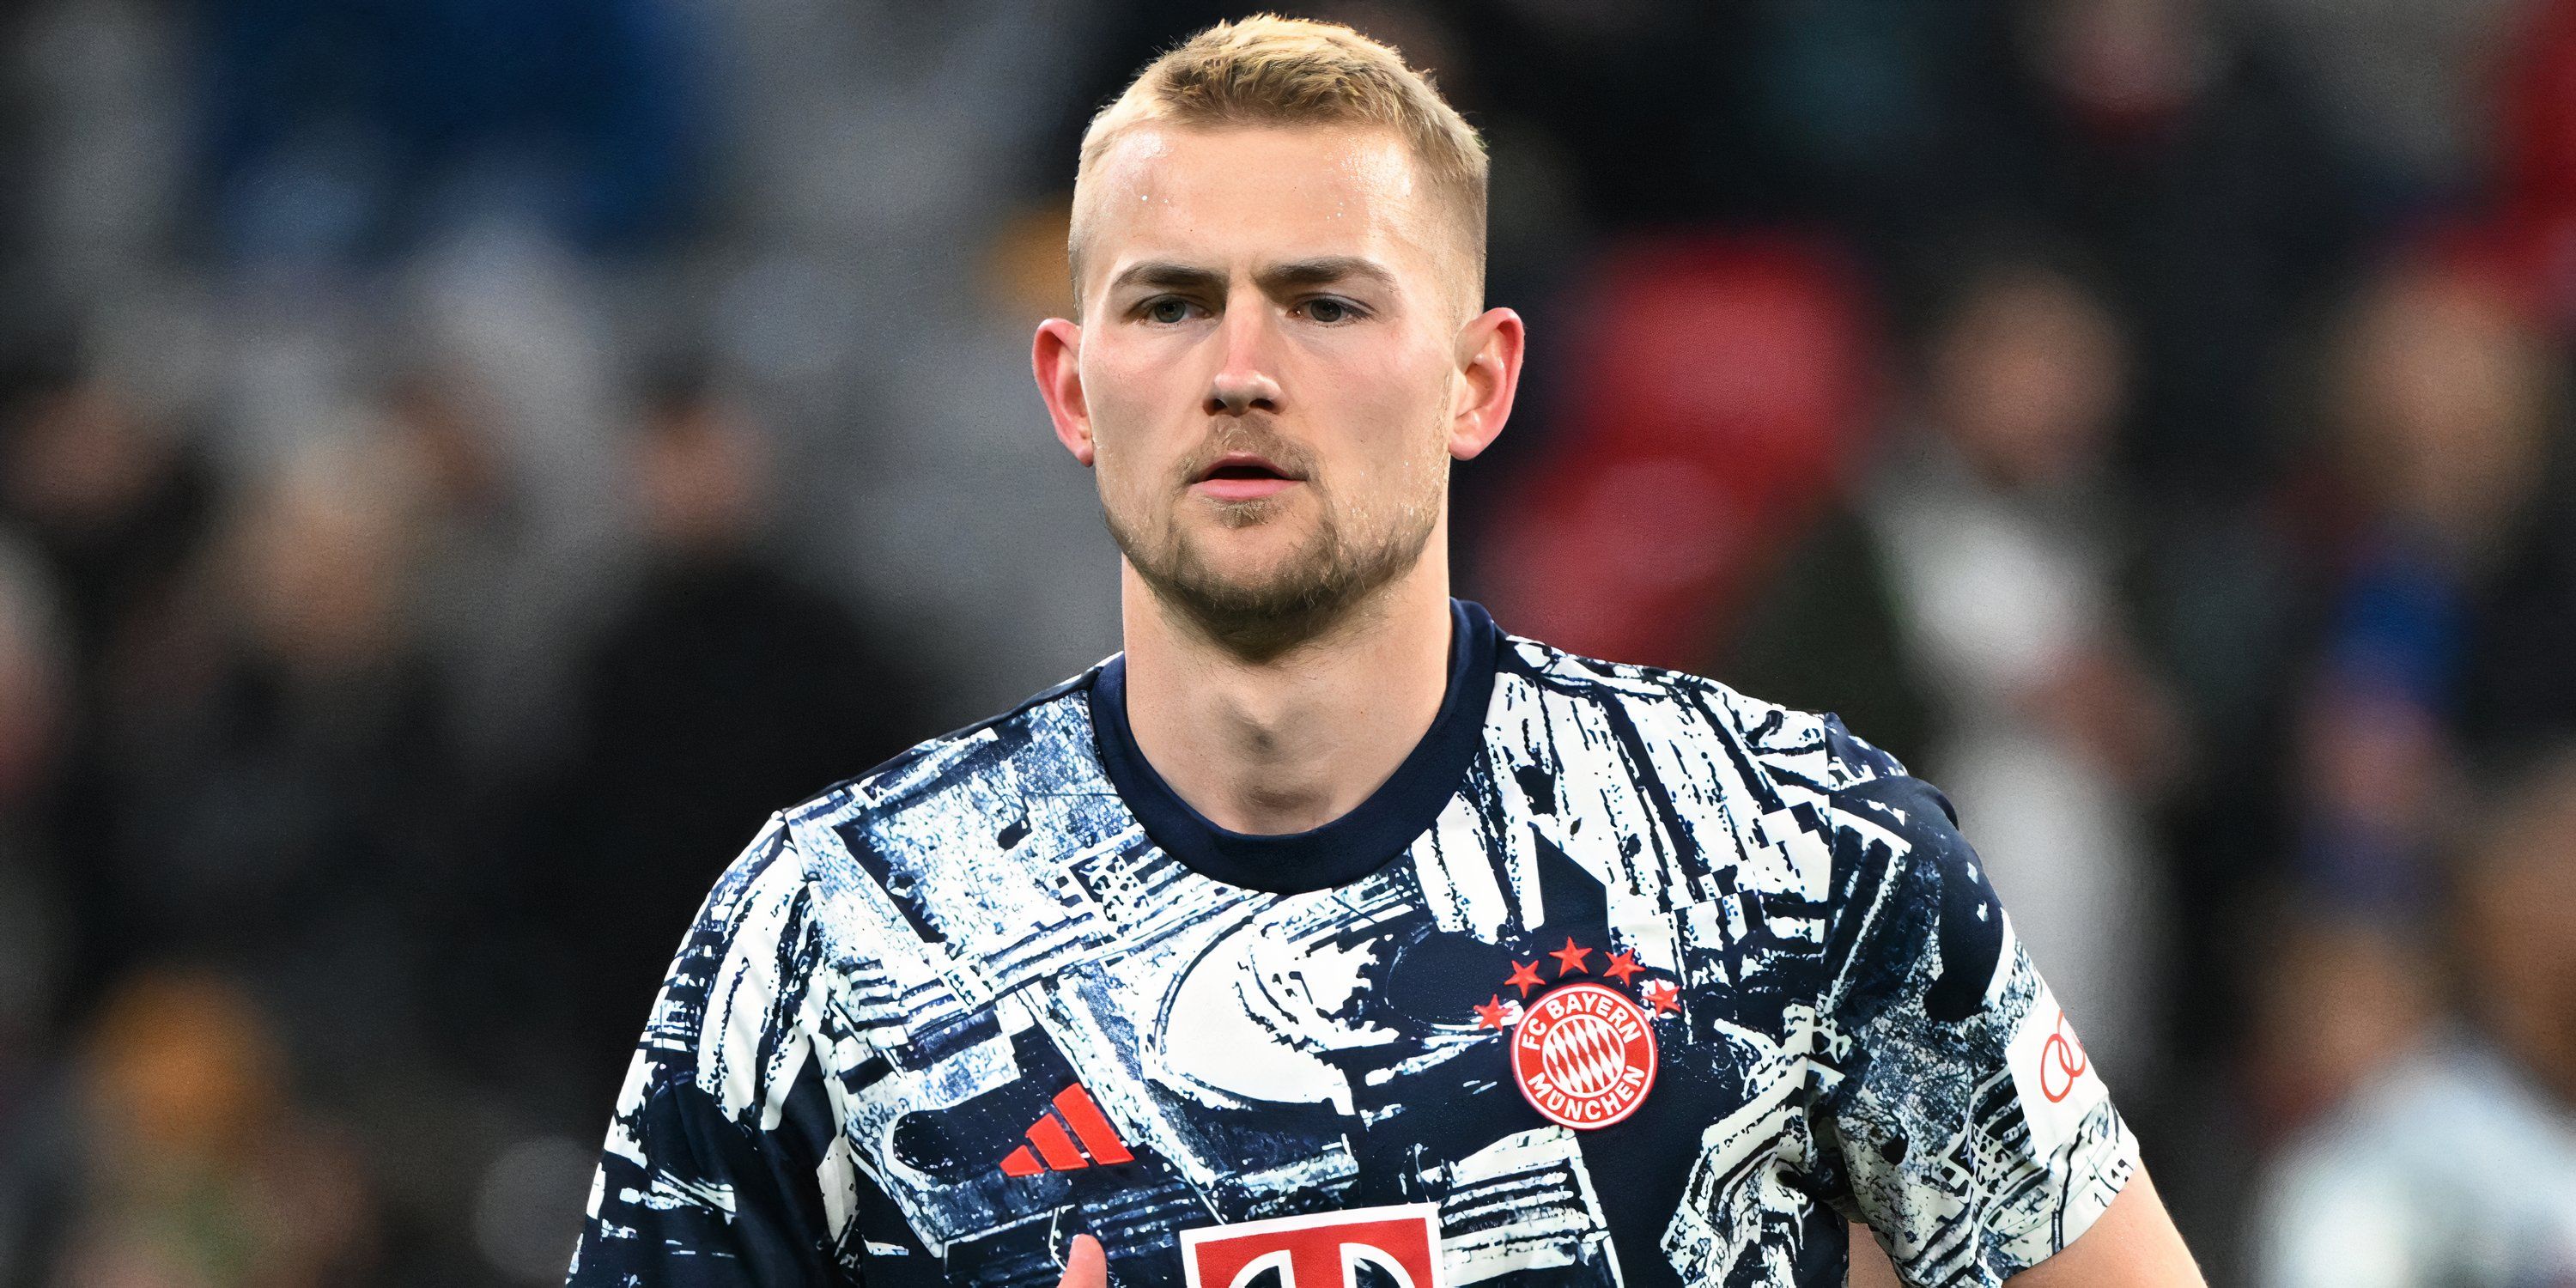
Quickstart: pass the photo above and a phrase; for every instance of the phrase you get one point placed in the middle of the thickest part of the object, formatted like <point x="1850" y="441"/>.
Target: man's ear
<point x="1056" y="356"/>
<point x="1489" y="362"/>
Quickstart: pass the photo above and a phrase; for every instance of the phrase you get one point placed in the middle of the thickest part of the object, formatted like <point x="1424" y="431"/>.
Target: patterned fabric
<point x="939" y="1019"/>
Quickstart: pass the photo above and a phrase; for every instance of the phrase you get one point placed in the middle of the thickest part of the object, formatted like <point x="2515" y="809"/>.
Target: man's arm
<point x="1936" y="1021"/>
<point x="2133" y="1244"/>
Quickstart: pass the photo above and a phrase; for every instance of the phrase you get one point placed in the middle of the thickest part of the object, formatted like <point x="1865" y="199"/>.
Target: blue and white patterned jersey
<point x="1623" y="979"/>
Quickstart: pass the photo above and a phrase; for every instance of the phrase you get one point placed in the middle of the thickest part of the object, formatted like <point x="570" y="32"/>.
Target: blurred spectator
<point x="2337" y="1000"/>
<point x="1961" y="610"/>
<point x="723" y="690"/>
<point x="114" y="506"/>
<point x="2443" y="400"/>
<point x="2177" y="151"/>
<point x="116" y="503"/>
<point x="2456" y="1166"/>
<point x="196" y="1168"/>
<point x="511" y="515"/>
<point x="293" y="809"/>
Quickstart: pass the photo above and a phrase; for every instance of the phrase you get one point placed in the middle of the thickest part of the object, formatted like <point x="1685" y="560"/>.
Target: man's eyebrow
<point x="1168" y="276"/>
<point x="1322" y="271"/>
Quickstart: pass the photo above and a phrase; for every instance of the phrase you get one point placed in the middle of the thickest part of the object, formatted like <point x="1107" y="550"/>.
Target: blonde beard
<point x="1314" y="588"/>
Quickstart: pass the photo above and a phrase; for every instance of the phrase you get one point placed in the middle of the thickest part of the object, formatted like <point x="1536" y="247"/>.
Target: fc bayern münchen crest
<point x="1584" y="1055"/>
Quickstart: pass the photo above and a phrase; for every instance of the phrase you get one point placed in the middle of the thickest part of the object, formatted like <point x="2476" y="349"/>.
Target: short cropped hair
<point x="1269" y="70"/>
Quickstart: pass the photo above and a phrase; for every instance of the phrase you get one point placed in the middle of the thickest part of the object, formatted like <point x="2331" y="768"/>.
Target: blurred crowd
<point x="464" y="462"/>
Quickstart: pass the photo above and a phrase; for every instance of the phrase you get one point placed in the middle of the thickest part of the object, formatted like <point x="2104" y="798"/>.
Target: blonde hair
<point x="1269" y="70"/>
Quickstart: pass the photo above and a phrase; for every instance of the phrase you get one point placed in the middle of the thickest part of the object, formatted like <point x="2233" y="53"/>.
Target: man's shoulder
<point x="1041" y="745"/>
<point x="962" y="840"/>
<point x="1807" y="751"/>
<point x="1826" y="835"/>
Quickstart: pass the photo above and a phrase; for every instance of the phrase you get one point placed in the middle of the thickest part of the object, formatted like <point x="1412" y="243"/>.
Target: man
<point x="2454" y="1162"/>
<point x="1328" y="934"/>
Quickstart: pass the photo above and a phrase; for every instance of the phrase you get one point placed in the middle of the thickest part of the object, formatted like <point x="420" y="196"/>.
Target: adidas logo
<point x="1055" y="1148"/>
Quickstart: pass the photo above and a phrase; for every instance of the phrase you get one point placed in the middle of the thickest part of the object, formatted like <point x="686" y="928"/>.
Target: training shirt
<point x="1622" y="979"/>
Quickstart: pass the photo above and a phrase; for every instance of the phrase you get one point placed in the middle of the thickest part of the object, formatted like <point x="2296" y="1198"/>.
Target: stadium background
<point x="462" y="462"/>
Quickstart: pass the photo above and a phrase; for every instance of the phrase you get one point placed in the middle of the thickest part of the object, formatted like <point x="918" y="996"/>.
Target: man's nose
<point x="1243" y="382"/>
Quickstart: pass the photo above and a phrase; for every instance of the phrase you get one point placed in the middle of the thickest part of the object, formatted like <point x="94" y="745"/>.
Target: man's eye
<point x="1168" y="311"/>
<point x="1329" y="311"/>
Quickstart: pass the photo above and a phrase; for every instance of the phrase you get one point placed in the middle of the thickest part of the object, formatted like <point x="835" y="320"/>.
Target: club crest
<point x="1584" y="1055"/>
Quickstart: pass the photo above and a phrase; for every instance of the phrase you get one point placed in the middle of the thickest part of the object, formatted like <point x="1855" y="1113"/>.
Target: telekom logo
<point x="1323" y="1250"/>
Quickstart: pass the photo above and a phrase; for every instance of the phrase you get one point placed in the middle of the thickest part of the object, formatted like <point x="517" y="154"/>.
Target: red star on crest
<point x="1622" y="965"/>
<point x="1569" y="959"/>
<point x="1525" y="977"/>
<point x="1663" y="995"/>
<point x="1490" y="1015"/>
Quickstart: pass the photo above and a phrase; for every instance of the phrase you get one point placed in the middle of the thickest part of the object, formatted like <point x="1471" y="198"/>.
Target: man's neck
<point x="1291" y="742"/>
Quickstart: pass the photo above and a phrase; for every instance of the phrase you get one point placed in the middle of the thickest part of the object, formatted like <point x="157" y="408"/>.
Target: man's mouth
<point x="1244" y="476"/>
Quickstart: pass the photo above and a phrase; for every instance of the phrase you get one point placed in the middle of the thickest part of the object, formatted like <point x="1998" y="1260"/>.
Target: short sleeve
<point x="722" y="1151"/>
<point x="1960" y="1115"/>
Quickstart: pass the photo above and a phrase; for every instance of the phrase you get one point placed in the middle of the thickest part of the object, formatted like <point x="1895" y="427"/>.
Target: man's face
<point x="1268" y="362"/>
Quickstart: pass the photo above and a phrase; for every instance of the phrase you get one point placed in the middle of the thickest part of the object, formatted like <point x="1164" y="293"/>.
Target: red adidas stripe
<point x="1054" y="1146"/>
<point x="1057" y="1149"/>
<point x="1091" y="1125"/>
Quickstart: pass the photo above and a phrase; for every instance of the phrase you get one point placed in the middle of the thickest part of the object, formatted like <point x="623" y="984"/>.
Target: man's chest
<point x="1586" y="1089"/>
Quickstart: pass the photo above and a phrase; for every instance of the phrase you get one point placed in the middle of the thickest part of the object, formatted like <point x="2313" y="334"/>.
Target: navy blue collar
<point x="1346" y="849"/>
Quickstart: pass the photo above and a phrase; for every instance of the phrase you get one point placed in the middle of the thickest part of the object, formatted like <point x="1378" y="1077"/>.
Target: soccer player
<point x="1330" y="935"/>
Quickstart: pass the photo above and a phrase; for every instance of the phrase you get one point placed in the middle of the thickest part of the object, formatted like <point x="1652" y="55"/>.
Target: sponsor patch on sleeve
<point x="2052" y="1074"/>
